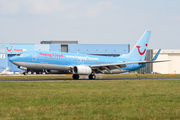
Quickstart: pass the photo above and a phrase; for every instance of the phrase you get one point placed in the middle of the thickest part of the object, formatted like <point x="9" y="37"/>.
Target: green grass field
<point x="104" y="100"/>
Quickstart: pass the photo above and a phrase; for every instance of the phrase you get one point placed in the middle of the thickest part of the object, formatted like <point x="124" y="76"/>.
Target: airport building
<point x="9" y="50"/>
<point x="170" y="67"/>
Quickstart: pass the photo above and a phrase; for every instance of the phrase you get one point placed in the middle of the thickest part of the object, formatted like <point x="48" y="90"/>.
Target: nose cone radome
<point x="14" y="59"/>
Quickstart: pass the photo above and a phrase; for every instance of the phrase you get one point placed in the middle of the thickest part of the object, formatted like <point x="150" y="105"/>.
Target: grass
<point x="104" y="100"/>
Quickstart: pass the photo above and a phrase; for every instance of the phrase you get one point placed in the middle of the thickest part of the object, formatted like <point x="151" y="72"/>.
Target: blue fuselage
<point x="63" y="61"/>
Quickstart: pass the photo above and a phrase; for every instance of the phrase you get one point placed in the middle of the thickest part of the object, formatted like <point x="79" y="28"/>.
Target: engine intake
<point x="82" y="70"/>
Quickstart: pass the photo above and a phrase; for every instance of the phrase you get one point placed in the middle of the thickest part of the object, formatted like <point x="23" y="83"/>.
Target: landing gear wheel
<point x="47" y="71"/>
<point x="24" y="73"/>
<point x="92" y="76"/>
<point x="75" y="76"/>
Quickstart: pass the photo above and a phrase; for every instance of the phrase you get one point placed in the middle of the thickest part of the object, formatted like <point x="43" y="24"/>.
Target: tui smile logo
<point x="141" y="53"/>
<point x="14" y="49"/>
<point x="9" y="49"/>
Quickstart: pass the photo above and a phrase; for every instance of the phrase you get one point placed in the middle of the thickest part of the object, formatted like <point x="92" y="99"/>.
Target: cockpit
<point x="22" y="55"/>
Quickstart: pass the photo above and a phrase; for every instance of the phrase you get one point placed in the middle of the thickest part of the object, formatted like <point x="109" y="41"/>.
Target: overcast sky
<point x="91" y="21"/>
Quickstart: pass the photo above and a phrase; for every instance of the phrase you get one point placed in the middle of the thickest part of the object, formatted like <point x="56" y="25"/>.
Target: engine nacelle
<point x="82" y="70"/>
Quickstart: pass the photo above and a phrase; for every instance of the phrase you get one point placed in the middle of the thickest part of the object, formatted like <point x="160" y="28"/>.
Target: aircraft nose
<point x="14" y="59"/>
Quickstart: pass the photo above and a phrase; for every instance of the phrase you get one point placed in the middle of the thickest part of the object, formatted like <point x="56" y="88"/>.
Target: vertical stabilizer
<point x="139" y="50"/>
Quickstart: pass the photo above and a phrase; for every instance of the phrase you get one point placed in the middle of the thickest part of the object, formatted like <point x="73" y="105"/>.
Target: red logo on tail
<point x="141" y="53"/>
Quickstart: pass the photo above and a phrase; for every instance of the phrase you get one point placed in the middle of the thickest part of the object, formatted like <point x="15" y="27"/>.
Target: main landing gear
<point x="91" y="76"/>
<point x="76" y="76"/>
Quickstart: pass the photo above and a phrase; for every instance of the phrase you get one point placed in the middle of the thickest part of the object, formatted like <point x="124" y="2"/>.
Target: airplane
<point x="82" y="64"/>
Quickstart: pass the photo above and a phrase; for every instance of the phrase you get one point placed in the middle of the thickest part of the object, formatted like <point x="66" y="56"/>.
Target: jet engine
<point x="82" y="70"/>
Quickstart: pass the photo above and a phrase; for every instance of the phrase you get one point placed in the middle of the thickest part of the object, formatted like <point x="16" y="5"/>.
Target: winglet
<point x="155" y="57"/>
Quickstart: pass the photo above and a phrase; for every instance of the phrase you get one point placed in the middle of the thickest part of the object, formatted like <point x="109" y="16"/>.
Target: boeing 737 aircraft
<point x="79" y="64"/>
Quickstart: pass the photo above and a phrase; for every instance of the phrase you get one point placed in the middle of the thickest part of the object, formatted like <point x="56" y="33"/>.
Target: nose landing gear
<point x="24" y="73"/>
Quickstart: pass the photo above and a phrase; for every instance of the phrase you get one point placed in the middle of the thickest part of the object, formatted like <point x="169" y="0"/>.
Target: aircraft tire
<point x="92" y="77"/>
<point x="47" y="71"/>
<point x="24" y="73"/>
<point x="76" y="76"/>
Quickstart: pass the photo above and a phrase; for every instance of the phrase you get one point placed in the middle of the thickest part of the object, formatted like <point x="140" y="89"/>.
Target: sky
<point x="91" y="21"/>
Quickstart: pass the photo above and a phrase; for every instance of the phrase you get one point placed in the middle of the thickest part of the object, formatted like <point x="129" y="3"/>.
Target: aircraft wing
<point x="109" y="67"/>
<point x="122" y="65"/>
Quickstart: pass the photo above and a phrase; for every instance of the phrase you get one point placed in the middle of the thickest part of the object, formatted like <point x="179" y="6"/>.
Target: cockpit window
<point x="22" y="55"/>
